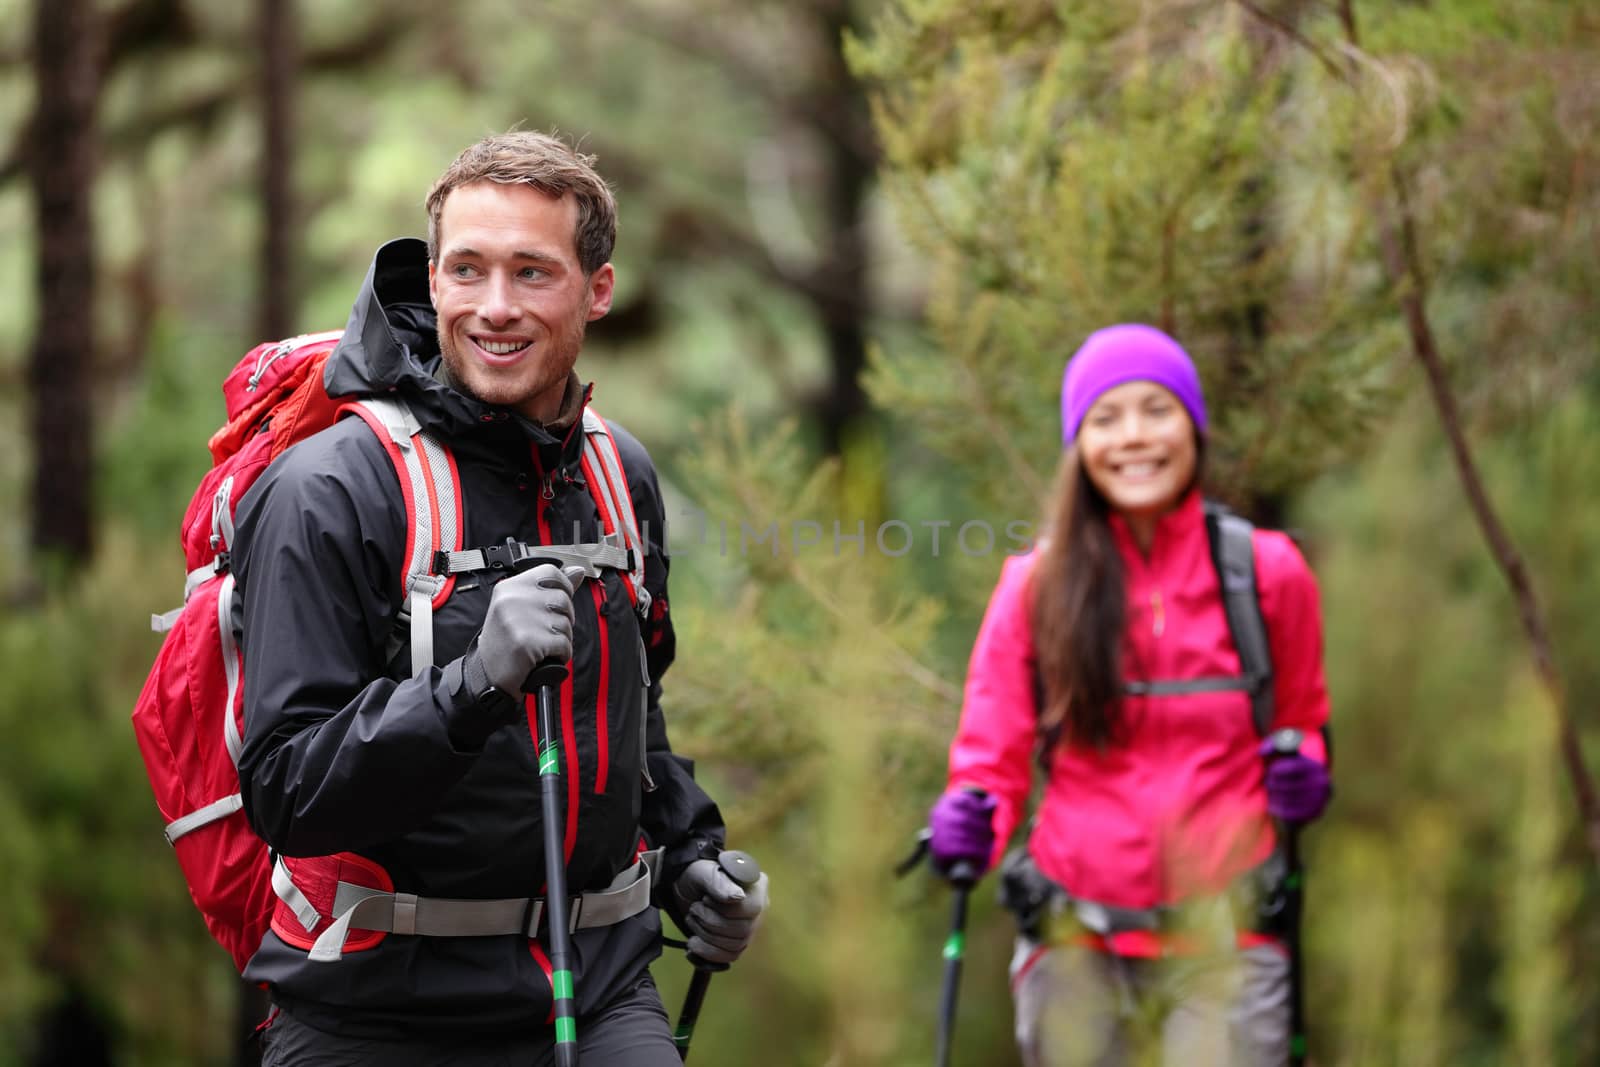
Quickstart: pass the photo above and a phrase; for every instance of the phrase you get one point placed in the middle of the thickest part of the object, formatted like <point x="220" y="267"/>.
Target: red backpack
<point x="189" y="718"/>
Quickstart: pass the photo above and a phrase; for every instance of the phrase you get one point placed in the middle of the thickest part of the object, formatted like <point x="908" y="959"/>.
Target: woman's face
<point x="1137" y="445"/>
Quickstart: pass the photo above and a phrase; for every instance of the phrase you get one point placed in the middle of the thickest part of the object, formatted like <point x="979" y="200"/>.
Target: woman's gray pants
<point x="1078" y="1007"/>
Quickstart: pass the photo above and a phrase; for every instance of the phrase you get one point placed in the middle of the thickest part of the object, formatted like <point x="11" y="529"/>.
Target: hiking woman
<point x="1107" y="658"/>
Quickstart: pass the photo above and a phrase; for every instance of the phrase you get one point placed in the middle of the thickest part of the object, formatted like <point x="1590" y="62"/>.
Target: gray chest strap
<point x="364" y="908"/>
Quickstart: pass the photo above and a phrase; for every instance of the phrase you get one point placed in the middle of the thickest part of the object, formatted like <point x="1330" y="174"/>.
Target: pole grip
<point x="745" y="872"/>
<point x="549" y="674"/>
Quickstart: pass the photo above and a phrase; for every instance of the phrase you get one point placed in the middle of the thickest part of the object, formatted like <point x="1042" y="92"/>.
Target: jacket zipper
<point x="644" y="717"/>
<point x="602" y="693"/>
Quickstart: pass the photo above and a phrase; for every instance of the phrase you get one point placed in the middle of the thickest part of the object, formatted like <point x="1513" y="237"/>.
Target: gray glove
<point x="719" y="917"/>
<point x="529" y="621"/>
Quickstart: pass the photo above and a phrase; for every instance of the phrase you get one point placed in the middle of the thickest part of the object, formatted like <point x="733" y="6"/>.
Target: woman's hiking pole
<point x="745" y="872"/>
<point x="1293" y="898"/>
<point x="544" y="680"/>
<point x="1289" y="905"/>
<point x="961" y="878"/>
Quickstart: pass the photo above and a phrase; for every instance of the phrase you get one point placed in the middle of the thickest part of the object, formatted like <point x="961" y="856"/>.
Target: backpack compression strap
<point x="1233" y="554"/>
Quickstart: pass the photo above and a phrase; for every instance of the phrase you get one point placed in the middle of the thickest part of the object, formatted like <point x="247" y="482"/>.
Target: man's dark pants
<point x="631" y="1031"/>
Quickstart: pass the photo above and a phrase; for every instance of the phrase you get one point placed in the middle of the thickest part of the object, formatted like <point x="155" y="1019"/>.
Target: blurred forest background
<point x="858" y="242"/>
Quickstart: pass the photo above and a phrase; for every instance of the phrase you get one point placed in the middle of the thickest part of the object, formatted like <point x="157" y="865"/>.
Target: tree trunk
<point x="279" y="72"/>
<point x="843" y="310"/>
<point x="61" y="170"/>
<point x="843" y="299"/>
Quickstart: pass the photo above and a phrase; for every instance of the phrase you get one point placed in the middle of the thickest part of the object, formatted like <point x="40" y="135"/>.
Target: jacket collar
<point x="1174" y="531"/>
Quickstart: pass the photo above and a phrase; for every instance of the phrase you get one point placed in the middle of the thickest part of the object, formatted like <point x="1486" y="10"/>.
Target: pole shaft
<point x="955" y="948"/>
<point x="1293" y="899"/>
<point x="555" y="880"/>
<point x="692" y="1002"/>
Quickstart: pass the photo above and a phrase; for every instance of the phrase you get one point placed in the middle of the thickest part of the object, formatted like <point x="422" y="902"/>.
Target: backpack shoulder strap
<point x="1233" y="553"/>
<point x="431" y="487"/>
<point x="608" y="483"/>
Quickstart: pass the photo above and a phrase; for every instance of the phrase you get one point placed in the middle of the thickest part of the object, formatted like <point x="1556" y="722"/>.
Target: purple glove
<point x="1298" y="786"/>
<point x="962" y="830"/>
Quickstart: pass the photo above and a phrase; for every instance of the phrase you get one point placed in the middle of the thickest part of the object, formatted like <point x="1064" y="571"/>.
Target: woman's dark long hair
<point x="1078" y="611"/>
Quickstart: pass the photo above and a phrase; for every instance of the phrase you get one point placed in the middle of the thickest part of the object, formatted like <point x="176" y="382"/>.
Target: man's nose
<point x="498" y="305"/>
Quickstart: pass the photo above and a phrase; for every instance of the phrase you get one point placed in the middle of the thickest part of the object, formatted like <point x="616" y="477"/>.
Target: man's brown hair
<point x="549" y="165"/>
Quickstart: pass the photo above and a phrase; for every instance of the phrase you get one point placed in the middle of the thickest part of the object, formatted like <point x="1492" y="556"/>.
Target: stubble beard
<point x="544" y="370"/>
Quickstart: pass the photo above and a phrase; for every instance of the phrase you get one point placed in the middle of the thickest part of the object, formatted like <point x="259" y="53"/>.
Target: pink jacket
<point x="1178" y="810"/>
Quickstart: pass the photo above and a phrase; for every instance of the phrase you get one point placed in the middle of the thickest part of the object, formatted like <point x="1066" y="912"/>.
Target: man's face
<point x="512" y="300"/>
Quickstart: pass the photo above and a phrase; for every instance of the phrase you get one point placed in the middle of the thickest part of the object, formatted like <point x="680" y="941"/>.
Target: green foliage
<point x="155" y="451"/>
<point x="1071" y="169"/>
<point x="802" y="685"/>
<point x="1450" y="855"/>
<point x="93" y="887"/>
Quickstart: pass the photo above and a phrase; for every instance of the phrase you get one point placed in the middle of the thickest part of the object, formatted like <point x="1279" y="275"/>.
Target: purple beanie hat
<point x="1127" y="353"/>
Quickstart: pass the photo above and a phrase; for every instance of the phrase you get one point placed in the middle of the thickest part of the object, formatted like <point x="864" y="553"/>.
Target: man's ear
<point x="433" y="284"/>
<point x="602" y="284"/>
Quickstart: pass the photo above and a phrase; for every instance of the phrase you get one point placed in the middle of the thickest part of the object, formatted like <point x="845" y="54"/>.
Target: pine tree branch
<point x="1280" y="26"/>
<point x="1398" y="243"/>
<point x="1402" y="262"/>
<point x="1397" y="239"/>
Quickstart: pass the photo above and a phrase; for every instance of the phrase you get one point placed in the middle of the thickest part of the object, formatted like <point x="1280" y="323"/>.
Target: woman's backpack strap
<point x="1233" y="553"/>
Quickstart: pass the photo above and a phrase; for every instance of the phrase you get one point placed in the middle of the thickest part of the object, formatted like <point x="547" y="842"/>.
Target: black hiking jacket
<point x="346" y="752"/>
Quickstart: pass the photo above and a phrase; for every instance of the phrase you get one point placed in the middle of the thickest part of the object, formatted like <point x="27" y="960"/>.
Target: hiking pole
<point x="1290" y="904"/>
<point x="577" y="562"/>
<point x="961" y="877"/>
<point x="544" y="680"/>
<point x="1293" y="899"/>
<point x="745" y="872"/>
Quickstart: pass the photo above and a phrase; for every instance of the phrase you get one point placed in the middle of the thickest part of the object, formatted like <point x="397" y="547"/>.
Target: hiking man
<point x="401" y="798"/>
